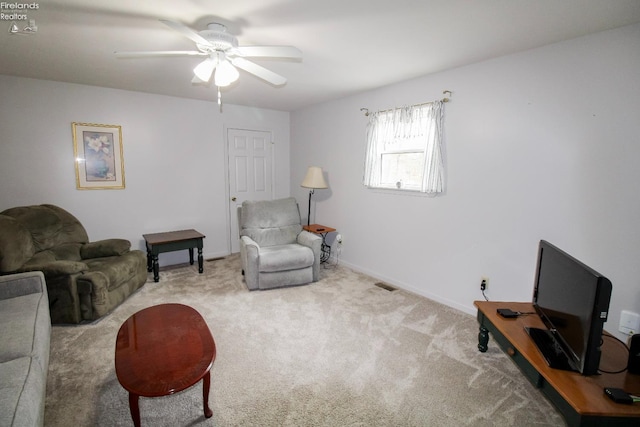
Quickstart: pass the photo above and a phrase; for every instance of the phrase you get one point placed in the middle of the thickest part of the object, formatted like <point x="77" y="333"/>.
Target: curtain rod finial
<point x="366" y="111"/>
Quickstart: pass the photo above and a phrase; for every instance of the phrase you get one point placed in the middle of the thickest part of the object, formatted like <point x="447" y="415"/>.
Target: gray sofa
<point x="25" y="328"/>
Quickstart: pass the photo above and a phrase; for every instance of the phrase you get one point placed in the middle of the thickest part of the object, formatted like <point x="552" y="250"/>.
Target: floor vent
<point x="385" y="286"/>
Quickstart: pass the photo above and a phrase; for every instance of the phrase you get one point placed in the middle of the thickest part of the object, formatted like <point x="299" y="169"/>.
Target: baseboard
<point x="406" y="287"/>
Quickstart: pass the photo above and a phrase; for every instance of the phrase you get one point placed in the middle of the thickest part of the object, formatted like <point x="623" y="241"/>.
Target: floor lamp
<point x="314" y="179"/>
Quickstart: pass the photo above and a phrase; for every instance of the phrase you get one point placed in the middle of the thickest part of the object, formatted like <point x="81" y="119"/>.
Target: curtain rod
<point x="445" y="99"/>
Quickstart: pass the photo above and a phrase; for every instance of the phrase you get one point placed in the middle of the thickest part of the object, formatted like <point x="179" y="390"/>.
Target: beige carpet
<point x="339" y="352"/>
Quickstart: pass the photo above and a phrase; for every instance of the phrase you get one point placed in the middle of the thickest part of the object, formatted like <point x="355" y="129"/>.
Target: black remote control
<point x="618" y="395"/>
<point x="507" y="313"/>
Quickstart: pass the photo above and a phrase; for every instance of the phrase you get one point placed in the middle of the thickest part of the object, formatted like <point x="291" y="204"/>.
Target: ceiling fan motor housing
<point x="219" y="39"/>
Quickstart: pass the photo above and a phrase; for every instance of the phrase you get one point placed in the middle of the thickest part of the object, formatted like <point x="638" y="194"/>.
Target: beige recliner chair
<point x="274" y="249"/>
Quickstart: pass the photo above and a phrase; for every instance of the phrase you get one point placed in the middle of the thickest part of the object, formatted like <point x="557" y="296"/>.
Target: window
<point x="404" y="149"/>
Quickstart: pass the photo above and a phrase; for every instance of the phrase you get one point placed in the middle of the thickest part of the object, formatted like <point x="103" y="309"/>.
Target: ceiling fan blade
<point x="186" y="31"/>
<point x="259" y="71"/>
<point x="270" y="51"/>
<point x="160" y="53"/>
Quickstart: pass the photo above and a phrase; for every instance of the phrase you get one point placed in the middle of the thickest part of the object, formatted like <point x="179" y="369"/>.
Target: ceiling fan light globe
<point x="204" y="69"/>
<point x="225" y="74"/>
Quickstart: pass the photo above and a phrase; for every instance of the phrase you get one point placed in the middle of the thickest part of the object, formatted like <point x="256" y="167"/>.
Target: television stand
<point x="580" y="399"/>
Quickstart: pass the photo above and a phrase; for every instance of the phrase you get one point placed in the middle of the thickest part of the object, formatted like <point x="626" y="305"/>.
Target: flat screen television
<point x="572" y="300"/>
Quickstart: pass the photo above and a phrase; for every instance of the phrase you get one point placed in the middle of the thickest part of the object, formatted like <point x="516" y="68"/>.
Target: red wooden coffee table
<point x="162" y="350"/>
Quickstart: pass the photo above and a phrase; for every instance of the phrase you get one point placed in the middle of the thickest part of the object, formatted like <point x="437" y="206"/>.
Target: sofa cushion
<point x="49" y="225"/>
<point x="59" y="261"/>
<point x="22" y="392"/>
<point x="25" y="327"/>
<point x="104" y="248"/>
<point x="285" y="257"/>
<point x="43" y="224"/>
<point x="67" y="251"/>
<point x="72" y="230"/>
<point x="16" y="246"/>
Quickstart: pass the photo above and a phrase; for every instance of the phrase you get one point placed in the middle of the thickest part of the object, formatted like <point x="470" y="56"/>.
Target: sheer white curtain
<point x="417" y="128"/>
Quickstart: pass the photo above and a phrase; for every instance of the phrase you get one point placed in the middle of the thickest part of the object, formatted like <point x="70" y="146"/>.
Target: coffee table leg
<point x="135" y="409"/>
<point x="206" y="383"/>
<point x="200" y="260"/>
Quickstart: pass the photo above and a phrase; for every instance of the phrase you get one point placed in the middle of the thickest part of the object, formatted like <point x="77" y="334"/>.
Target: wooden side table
<point x="172" y="241"/>
<point x="321" y="230"/>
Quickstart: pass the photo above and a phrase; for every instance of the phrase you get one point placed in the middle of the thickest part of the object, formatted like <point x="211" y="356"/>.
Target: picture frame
<point x="98" y="157"/>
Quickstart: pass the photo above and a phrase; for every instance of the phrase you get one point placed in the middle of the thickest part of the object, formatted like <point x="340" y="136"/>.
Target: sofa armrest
<point x="310" y="240"/>
<point x="250" y="259"/>
<point x="314" y="242"/>
<point x="56" y="268"/>
<point x="16" y="285"/>
<point x="105" y="248"/>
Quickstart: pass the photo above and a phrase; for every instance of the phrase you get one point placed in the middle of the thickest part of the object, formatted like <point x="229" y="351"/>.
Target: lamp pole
<point x="309" y="212"/>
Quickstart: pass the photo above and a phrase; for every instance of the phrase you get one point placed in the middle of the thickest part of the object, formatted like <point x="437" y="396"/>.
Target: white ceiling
<point x="349" y="46"/>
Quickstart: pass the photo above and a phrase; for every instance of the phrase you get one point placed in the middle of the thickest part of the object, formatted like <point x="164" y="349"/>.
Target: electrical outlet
<point x="629" y="322"/>
<point x="484" y="283"/>
<point x="339" y="239"/>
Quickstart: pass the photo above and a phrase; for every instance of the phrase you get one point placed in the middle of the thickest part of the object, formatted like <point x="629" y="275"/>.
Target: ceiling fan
<point x="223" y="55"/>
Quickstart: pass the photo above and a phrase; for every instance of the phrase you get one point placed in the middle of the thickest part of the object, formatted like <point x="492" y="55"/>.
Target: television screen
<point x="573" y="301"/>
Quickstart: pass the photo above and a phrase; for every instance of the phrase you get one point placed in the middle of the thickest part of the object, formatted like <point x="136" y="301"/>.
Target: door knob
<point x="233" y="199"/>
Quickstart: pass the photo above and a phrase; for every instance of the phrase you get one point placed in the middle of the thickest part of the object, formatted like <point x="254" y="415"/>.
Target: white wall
<point x="174" y="155"/>
<point x="540" y="145"/>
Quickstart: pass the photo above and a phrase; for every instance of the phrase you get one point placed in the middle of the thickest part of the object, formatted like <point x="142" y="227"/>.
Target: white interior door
<point x="250" y="172"/>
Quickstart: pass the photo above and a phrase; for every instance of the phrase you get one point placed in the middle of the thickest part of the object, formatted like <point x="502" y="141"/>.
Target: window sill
<point x="401" y="192"/>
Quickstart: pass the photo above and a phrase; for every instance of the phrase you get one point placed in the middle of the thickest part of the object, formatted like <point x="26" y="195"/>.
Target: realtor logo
<point x="16" y="12"/>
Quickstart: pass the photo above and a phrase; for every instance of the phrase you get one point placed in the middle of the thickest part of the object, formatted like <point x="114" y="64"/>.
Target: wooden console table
<point x="579" y="398"/>
<point x="172" y="241"/>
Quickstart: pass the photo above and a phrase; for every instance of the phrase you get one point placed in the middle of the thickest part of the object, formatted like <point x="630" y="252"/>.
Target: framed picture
<point x="98" y="156"/>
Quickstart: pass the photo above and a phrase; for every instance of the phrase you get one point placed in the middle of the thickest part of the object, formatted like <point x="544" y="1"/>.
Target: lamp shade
<point x="314" y="178"/>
